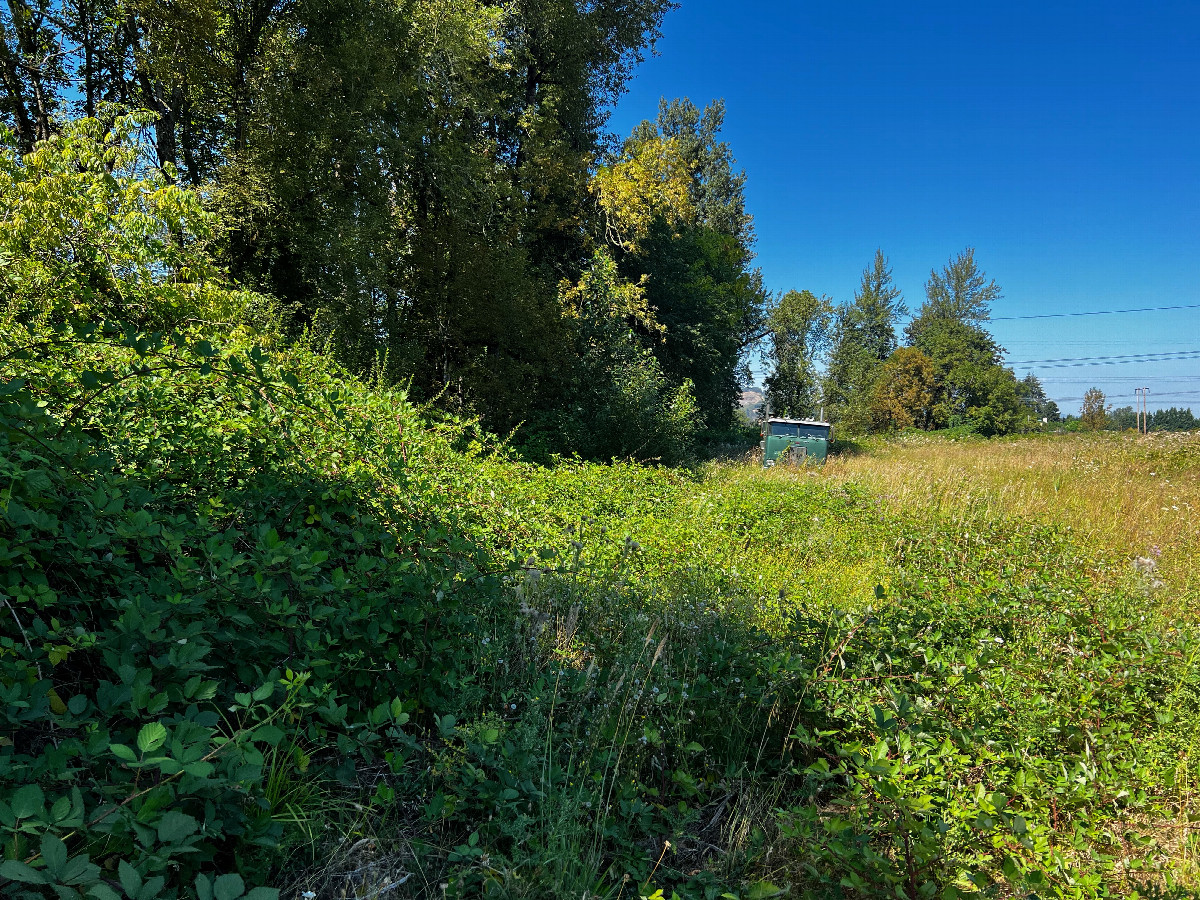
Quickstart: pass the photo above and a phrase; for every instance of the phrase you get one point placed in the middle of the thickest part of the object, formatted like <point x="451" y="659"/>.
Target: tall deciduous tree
<point x="1094" y="412"/>
<point x="961" y="292"/>
<point x="410" y="177"/>
<point x="864" y="337"/>
<point x="972" y="387"/>
<point x="798" y="332"/>
<point x="693" y="249"/>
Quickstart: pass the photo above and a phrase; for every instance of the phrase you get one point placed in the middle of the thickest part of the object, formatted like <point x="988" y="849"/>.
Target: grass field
<point x="1053" y="574"/>
<point x="1123" y="494"/>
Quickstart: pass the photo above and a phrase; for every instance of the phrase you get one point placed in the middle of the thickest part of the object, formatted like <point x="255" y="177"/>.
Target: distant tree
<point x="972" y="387"/>
<point x="864" y="336"/>
<point x="798" y="331"/>
<point x="1173" y="419"/>
<point x="1033" y="398"/>
<point x="902" y="395"/>
<point x="1094" y="413"/>
<point x="1122" y="418"/>
<point x="961" y="292"/>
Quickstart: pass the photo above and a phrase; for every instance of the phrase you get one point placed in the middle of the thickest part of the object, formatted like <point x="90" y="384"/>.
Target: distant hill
<point x="751" y="402"/>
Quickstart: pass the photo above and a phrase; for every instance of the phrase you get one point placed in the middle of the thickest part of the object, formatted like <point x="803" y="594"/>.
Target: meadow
<point x="277" y="632"/>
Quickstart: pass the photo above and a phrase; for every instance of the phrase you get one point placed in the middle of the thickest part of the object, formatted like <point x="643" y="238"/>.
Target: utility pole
<point x="1143" y="414"/>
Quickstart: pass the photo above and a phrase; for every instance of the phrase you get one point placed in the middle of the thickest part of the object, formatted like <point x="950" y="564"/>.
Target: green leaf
<point x="263" y="893"/>
<point x="229" y="887"/>
<point x="270" y="735"/>
<point x="151" y="737"/>
<point x="131" y="880"/>
<point x="263" y="692"/>
<point x="762" y="890"/>
<point x="27" y="801"/>
<point x="54" y="853"/>
<point x="18" y="871"/>
<point x="175" y="826"/>
<point x="203" y="887"/>
<point x="61" y="809"/>
<point x="102" y="891"/>
<point x="120" y="751"/>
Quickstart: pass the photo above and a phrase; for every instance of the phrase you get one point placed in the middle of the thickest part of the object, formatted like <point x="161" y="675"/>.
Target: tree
<point x="972" y="388"/>
<point x="798" y="332"/>
<point x="1093" y="413"/>
<point x="961" y="292"/>
<point x="1033" y="398"/>
<point x="694" y="256"/>
<point x="902" y="395"/>
<point x="91" y="233"/>
<point x="1123" y="418"/>
<point x="1173" y="419"/>
<point x="410" y="178"/>
<point x="717" y="190"/>
<point x="864" y="336"/>
<point x="619" y="403"/>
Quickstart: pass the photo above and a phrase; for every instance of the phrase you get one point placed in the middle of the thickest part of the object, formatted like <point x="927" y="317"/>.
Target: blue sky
<point x="1061" y="140"/>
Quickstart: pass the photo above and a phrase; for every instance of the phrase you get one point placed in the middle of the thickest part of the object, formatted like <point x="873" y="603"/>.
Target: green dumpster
<point x="795" y="441"/>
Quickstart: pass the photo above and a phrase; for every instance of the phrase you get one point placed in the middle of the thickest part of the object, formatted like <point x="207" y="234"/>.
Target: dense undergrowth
<point x="268" y="629"/>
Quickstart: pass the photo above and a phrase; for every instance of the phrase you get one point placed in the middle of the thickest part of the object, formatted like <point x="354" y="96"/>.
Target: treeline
<point x="427" y="191"/>
<point x="847" y="363"/>
<point x="1124" y="418"/>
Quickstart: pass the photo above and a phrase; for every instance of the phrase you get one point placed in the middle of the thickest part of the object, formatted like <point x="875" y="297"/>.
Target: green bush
<point x="217" y="582"/>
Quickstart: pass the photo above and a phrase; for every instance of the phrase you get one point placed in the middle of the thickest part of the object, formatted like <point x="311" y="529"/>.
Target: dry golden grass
<point x="1125" y="495"/>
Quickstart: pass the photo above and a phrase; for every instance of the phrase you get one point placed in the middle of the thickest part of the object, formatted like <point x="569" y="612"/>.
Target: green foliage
<point x="1094" y="412"/>
<point x="960" y="292"/>
<point x="1033" y="397"/>
<point x="694" y="259"/>
<point x="200" y="573"/>
<point x="798" y="332"/>
<point x="864" y="336"/>
<point x="1173" y="419"/>
<point x="245" y="581"/>
<point x="971" y="387"/>
<point x="902" y="395"/>
<point x="409" y="179"/>
<point x="620" y="405"/>
<point x="91" y="233"/>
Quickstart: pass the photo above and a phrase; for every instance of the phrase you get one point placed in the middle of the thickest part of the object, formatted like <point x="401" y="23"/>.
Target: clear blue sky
<point x="1061" y="140"/>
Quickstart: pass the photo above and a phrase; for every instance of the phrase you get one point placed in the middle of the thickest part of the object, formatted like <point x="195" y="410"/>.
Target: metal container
<point x="795" y="441"/>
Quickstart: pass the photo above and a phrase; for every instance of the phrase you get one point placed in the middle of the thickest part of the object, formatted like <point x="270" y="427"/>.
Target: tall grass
<point x="1127" y="495"/>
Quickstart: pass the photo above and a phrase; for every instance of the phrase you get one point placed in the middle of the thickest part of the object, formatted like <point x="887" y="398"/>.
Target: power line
<point x="1099" y="312"/>
<point x="1161" y="356"/>
<point x="1117" y="362"/>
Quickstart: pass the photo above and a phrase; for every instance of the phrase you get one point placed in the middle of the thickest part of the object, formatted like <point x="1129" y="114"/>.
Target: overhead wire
<point x="1137" y="357"/>
<point x="1097" y="312"/>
